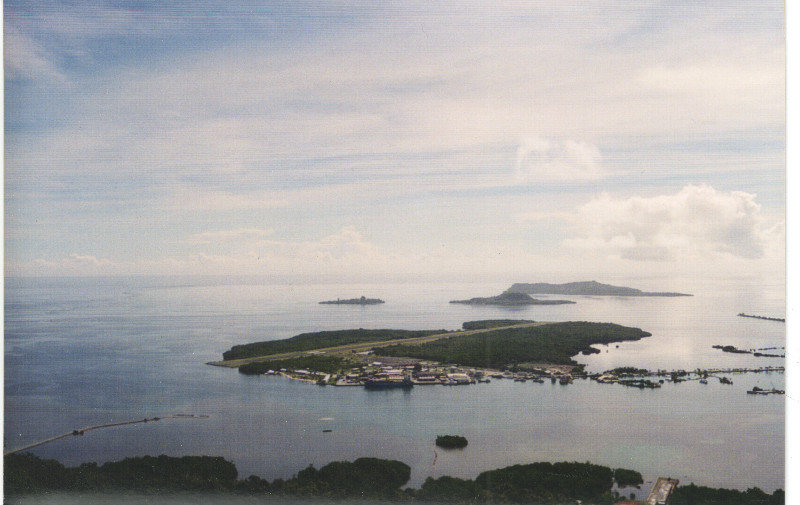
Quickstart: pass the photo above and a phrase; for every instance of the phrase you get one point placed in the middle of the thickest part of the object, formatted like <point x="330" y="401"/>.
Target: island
<point x="508" y="347"/>
<point x="508" y="299"/>
<point x="364" y="479"/>
<point x="354" y="301"/>
<point x="592" y="288"/>
<point x="451" y="441"/>
<point x="379" y="359"/>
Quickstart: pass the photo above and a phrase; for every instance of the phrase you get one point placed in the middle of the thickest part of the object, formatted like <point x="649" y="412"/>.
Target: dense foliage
<point x="547" y="482"/>
<point x="701" y="495"/>
<point x="550" y="343"/>
<point x="626" y="478"/>
<point x="26" y="473"/>
<point x="314" y="363"/>
<point x="364" y="478"/>
<point x="319" y="340"/>
<point x="629" y="370"/>
<point x="451" y="441"/>
<point x="511" y="300"/>
<point x="492" y="323"/>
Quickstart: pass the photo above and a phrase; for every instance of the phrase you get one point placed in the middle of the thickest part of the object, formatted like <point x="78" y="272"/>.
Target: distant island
<point x="593" y="288"/>
<point x="354" y="301"/>
<point x="511" y="299"/>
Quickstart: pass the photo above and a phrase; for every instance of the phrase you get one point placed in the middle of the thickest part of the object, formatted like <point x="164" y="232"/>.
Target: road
<point x="365" y="346"/>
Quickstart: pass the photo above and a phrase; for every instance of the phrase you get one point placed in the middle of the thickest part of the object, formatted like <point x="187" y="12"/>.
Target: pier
<point x="81" y="431"/>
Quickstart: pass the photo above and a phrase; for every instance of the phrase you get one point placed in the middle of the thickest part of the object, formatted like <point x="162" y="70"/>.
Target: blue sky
<point x="510" y="140"/>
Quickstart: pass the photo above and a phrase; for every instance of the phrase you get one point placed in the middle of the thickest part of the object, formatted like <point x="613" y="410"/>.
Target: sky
<point x="522" y="141"/>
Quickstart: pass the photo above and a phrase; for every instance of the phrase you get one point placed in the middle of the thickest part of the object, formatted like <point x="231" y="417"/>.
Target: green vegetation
<point x="511" y="299"/>
<point x="364" y="478"/>
<point x="639" y="383"/>
<point x="26" y="473"/>
<point x="318" y="340"/>
<point x="628" y="370"/>
<point x="451" y="441"/>
<point x="547" y="483"/>
<point x="314" y="363"/>
<point x="493" y="323"/>
<point x="701" y="495"/>
<point x="552" y="343"/>
<point x="627" y="478"/>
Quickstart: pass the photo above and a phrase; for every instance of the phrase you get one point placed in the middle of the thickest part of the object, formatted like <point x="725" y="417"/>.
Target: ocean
<point x="88" y="351"/>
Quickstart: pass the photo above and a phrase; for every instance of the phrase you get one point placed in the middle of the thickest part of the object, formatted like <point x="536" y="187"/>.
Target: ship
<point x="383" y="381"/>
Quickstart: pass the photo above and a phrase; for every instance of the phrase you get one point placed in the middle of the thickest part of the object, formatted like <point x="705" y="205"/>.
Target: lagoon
<point x="94" y="350"/>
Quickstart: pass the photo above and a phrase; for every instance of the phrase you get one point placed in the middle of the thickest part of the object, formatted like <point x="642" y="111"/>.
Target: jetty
<point x="779" y="319"/>
<point x="758" y="391"/>
<point x="81" y="431"/>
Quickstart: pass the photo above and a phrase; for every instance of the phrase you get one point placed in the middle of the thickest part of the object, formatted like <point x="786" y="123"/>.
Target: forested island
<point x="554" y="343"/>
<point x="320" y="339"/>
<point x="356" y="357"/>
<point x="511" y="299"/>
<point x="593" y="288"/>
<point x="354" y="301"/>
<point x="451" y="441"/>
<point x="363" y="479"/>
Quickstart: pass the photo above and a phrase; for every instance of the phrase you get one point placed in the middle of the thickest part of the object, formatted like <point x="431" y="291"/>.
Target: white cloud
<point x="541" y="159"/>
<point x="391" y="110"/>
<point x="697" y="221"/>
<point x="239" y="234"/>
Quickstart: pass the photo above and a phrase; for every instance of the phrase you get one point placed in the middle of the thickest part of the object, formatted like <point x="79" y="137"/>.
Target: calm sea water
<point x="81" y="352"/>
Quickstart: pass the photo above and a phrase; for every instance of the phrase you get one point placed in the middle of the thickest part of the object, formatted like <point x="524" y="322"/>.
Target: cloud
<point x="541" y="159"/>
<point x="239" y="234"/>
<point x="25" y="59"/>
<point x="696" y="221"/>
<point x="421" y="115"/>
<point x="74" y="264"/>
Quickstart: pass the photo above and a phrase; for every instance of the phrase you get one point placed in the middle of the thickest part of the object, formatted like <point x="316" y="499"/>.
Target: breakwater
<point x="742" y="314"/>
<point x="81" y="431"/>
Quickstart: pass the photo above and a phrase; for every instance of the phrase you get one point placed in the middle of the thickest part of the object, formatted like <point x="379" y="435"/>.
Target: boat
<point x="388" y="383"/>
<point x="703" y="381"/>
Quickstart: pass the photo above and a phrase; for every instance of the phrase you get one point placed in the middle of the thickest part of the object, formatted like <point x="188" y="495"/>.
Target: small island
<point x="508" y="299"/>
<point x="451" y="441"/>
<point x="592" y="288"/>
<point x="354" y="301"/>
